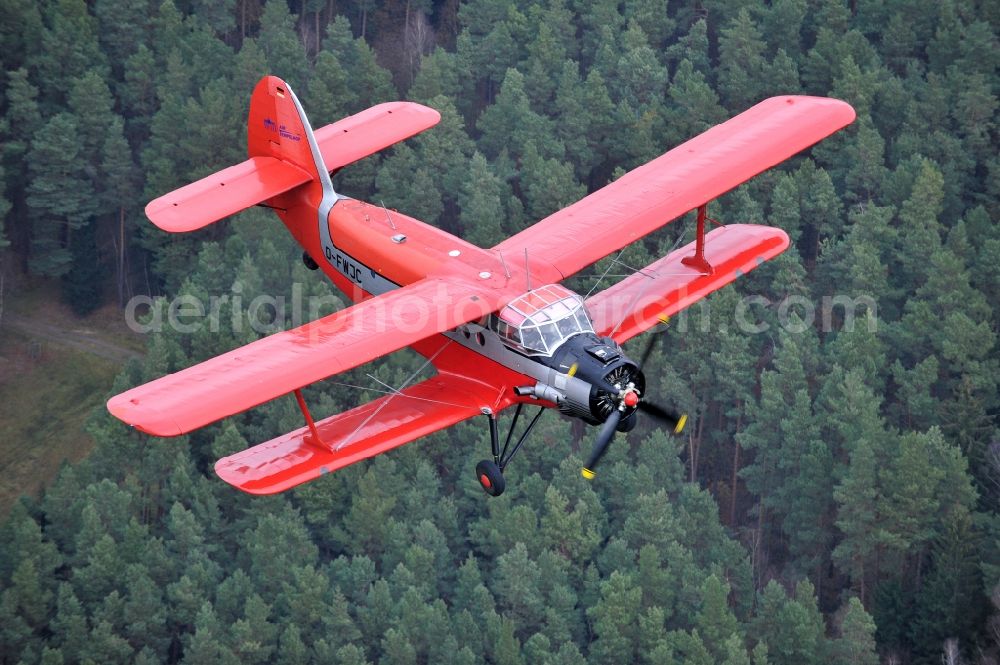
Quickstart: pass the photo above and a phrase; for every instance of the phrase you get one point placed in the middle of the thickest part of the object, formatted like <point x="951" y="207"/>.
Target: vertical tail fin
<point x="277" y="127"/>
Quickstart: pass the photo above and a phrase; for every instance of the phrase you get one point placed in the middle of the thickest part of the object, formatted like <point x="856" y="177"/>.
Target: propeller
<point x="630" y="398"/>
<point x="665" y="320"/>
<point x="675" y="421"/>
<point x="671" y="418"/>
<point x="601" y="445"/>
<point x="648" y="351"/>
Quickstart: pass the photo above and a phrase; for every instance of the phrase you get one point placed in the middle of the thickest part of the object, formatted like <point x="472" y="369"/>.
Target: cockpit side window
<point x="531" y="338"/>
<point x="551" y="336"/>
<point x="568" y="325"/>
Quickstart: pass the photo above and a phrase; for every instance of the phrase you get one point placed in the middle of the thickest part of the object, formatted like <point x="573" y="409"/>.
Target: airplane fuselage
<point x="367" y="250"/>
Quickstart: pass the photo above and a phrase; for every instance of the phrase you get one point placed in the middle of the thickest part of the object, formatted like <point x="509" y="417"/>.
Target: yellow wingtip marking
<point x="664" y="319"/>
<point x="681" y="423"/>
<point x="587" y="473"/>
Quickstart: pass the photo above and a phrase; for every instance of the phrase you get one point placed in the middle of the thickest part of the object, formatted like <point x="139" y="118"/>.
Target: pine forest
<point x="835" y="498"/>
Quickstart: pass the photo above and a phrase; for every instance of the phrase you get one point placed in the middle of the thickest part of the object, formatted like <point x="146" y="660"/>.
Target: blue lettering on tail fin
<point x="285" y="134"/>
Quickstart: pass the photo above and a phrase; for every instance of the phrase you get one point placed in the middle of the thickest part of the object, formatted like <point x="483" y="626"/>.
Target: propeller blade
<point x="606" y="387"/>
<point x="648" y="350"/>
<point x="601" y="445"/>
<point x="672" y="419"/>
<point x="652" y="343"/>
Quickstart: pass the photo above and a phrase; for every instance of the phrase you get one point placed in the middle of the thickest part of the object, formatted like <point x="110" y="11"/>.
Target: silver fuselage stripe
<point x="354" y="270"/>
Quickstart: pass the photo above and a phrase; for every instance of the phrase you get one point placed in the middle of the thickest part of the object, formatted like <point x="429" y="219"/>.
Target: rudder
<point x="276" y="128"/>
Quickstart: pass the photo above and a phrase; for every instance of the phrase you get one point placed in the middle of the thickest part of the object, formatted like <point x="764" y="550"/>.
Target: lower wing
<point x="667" y="286"/>
<point x="362" y="432"/>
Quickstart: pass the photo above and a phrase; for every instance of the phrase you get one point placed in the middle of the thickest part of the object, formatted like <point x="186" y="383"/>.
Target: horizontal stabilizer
<point x="276" y="365"/>
<point x="365" y="133"/>
<point x="664" y="287"/>
<point x="354" y="435"/>
<point x="224" y="193"/>
<point x="282" y="161"/>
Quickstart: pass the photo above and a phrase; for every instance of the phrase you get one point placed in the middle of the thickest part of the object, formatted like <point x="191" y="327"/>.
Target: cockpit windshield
<point x="542" y="319"/>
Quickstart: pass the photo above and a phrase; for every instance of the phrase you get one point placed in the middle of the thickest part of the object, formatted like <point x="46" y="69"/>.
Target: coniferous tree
<point x="715" y="621"/>
<point x="122" y="26"/>
<point x="69" y="49"/>
<point x="482" y="214"/>
<point x="856" y="644"/>
<point x="281" y="46"/>
<point x="741" y="62"/>
<point x="59" y="194"/>
<point x="951" y="603"/>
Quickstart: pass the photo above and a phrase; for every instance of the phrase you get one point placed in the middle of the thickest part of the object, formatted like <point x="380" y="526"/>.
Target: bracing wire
<point x="392" y="395"/>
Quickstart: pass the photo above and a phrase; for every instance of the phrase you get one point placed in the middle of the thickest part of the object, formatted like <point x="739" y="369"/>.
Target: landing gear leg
<point x="490" y="473"/>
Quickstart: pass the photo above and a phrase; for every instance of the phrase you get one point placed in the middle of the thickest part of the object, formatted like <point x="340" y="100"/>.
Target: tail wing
<point x="365" y="133"/>
<point x="285" y="154"/>
<point x="224" y="193"/>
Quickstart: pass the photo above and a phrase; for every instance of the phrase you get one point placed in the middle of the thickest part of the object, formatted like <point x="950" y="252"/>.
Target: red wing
<point x="667" y="286"/>
<point x="357" y="434"/>
<point x="371" y="130"/>
<point x="224" y="193"/>
<point x="278" y="364"/>
<point x="679" y="181"/>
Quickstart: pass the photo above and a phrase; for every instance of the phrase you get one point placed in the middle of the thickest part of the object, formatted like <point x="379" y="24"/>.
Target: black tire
<point x="308" y="260"/>
<point x="490" y="478"/>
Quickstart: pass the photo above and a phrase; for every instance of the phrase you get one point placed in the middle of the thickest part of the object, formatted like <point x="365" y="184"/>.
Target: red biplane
<point x="495" y="323"/>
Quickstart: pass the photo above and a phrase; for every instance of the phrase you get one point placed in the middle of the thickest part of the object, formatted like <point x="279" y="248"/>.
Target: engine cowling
<point x="600" y="363"/>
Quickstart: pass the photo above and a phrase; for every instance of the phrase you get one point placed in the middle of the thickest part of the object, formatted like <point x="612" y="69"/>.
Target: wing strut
<point x="308" y="416"/>
<point x="698" y="260"/>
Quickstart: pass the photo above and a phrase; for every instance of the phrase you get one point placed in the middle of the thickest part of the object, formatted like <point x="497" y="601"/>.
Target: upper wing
<point x="688" y="176"/>
<point x="667" y="286"/>
<point x="278" y="364"/>
<point x="371" y="130"/>
<point x="362" y="432"/>
<point x="224" y="193"/>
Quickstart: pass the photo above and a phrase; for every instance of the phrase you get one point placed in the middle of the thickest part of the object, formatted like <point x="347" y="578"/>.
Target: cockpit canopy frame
<point x="538" y="322"/>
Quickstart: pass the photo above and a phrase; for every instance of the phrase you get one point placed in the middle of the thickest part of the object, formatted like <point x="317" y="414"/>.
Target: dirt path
<point x="80" y="339"/>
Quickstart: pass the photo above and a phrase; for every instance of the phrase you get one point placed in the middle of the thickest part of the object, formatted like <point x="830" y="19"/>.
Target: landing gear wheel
<point x="490" y="477"/>
<point x="308" y="260"/>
